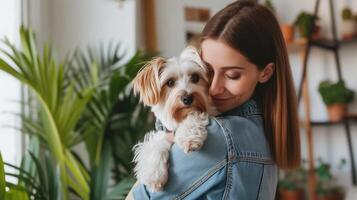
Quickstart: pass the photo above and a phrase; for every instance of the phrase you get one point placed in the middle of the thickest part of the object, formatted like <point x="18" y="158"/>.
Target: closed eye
<point x="233" y="76"/>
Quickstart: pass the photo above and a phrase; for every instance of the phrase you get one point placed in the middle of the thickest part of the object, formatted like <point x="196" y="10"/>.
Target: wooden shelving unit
<point x="333" y="46"/>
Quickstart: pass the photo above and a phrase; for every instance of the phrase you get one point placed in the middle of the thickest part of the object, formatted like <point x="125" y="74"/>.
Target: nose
<point x="216" y="87"/>
<point x="187" y="99"/>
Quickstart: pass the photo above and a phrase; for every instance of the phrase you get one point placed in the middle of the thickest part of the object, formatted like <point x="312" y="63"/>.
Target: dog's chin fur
<point x="179" y="111"/>
<point x="172" y="112"/>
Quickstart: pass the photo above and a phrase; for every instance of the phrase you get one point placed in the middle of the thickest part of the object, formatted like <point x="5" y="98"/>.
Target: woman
<point x="257" y="133"/>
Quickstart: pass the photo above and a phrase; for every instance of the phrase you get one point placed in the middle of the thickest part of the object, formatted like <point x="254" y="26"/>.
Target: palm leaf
<point x="101" y="174"/>
<point x="2" y="179"/>
<point x="121" y="190"/>
<point x="60" y="106"/>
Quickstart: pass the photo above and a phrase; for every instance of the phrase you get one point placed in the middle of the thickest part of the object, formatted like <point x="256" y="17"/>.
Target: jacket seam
<point x="201" y="180"/>
<point x="231" y="157"/>
<point x="260" y="183"/>
<point x="255" y="159"/>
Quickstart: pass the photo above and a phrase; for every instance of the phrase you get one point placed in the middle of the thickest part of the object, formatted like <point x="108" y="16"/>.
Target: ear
<point x="191" y="53"/>
<point x="146" y="82"/>
<point x="267" y="72"/>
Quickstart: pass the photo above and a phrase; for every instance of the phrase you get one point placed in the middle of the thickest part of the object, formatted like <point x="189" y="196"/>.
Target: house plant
<point x="348" y="24"/>
<point x="288" y="32"/>
<point x="336" y="96"/>
<point x="306" y="24"/>
<point x="80" y="101"/>
<point x="327" y="189"/>
<point x="291" y="185"/>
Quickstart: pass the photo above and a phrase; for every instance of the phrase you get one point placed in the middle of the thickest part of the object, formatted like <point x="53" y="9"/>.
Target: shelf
<point x="329" y="44"/>
<point x="324" y="43"/>
<point x="334" y="46"/>
<point x="350" y="117"/>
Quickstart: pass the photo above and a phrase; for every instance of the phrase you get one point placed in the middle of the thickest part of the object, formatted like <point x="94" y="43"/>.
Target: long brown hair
<point x="254" y="31"/>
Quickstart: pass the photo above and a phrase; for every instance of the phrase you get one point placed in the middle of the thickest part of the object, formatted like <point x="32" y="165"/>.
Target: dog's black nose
<point x="187" y="99"/>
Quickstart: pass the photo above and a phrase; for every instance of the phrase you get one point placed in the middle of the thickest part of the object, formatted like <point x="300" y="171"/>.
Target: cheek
<point x="236" y="88"/>
<point x="241" y="87"/>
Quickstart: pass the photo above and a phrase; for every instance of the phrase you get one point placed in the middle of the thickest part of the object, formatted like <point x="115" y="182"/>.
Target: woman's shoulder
<point x="247" y="134"/>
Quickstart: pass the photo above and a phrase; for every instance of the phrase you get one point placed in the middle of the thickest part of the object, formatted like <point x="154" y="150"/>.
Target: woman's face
<point x="233" y="77"/>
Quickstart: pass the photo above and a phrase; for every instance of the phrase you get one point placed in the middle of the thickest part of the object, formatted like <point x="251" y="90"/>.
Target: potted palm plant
<point x="327" y="189"/>
<point x="291" y="185"/>
<point x="85" y="100"/>
<point x="336" y="96"/>
<point x="305" y="22"/>
<point x="348" y="24"/>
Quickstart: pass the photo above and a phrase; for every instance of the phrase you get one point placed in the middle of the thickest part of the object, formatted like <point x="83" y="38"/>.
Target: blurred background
<point x="68" y="118"/>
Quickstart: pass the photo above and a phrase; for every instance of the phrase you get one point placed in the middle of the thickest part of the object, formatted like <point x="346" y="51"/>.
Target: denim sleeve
<point x="193" y="174"/>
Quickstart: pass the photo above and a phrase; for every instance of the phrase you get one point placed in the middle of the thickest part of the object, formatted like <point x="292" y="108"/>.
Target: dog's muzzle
<point x="187" y="99"/>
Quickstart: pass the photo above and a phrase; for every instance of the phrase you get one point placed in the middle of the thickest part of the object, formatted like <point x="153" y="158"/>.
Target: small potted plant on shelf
<point x="288" y="32"/>
<point x="291" y="185"/>
<point x="336" y="96"/>
<point x="348" y="24"/>
<point x="327" y="188"/>
<point x="304" y="22"/>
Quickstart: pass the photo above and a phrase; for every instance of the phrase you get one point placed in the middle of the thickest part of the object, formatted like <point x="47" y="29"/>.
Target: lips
<point x="219" y="100"/>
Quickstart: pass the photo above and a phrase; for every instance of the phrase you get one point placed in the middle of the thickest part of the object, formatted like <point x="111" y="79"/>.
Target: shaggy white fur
<point x="151" y="158"/>
<point x="192" y="132"/>
<point x="163" y="85"/>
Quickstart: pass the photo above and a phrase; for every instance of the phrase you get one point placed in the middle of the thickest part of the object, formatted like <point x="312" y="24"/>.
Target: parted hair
<point x="254" y="31"/>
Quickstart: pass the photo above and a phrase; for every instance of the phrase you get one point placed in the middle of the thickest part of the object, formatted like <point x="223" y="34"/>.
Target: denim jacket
<point x="234" y="163"/>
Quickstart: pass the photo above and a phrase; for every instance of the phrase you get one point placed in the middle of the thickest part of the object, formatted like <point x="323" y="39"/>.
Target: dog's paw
<point x="151" y="158"/>
<point x="191" y="132"/>
<point x="191" y="145"/>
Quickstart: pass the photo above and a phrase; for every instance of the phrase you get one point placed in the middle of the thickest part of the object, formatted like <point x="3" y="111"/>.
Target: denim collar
<point x="248" y="108"/>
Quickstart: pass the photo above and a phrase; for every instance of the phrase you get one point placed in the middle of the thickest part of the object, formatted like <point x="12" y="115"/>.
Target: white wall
<point x="10" y="139"/>
<point x="78" y="23"/>
<point x="329" y="143"/>
<point x="170" y="22"/>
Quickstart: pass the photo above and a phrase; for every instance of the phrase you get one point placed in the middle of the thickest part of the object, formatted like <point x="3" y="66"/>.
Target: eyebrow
<point x="226" y="67"/>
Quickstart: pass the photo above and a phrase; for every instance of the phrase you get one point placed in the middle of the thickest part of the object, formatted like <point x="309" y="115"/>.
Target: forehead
<point x="218" y="54"/>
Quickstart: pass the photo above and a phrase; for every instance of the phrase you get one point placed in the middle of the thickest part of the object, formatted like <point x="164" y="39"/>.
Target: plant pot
<point x="336" y="112"/>
<point x="297" y="194"/>
<point x="288" y="32"/>
<point x="315" y="35"/>
<point x="348" y="29"/>
<point x="337" y="196"/>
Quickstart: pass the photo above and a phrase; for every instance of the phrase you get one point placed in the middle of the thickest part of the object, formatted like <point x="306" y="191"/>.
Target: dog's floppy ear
<point x="191" y="53"/>
<point x="146" y="82"/>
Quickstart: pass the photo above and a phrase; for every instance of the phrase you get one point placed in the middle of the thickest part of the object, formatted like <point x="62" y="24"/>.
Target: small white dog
<point x="176" y="89"/>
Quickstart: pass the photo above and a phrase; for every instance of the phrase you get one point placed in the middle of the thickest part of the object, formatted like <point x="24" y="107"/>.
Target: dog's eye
<point x="195" y="78"/>
<point x="170" y="83"/>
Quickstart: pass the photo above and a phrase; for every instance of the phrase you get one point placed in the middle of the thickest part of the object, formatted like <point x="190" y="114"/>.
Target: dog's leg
<point x="151" y="158"/>
<point x="191" y="132"/>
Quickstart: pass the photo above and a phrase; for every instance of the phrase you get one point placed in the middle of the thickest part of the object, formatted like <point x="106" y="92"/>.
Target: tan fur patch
<point x="146" y="82"/>
<point x="179" y="111"/>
